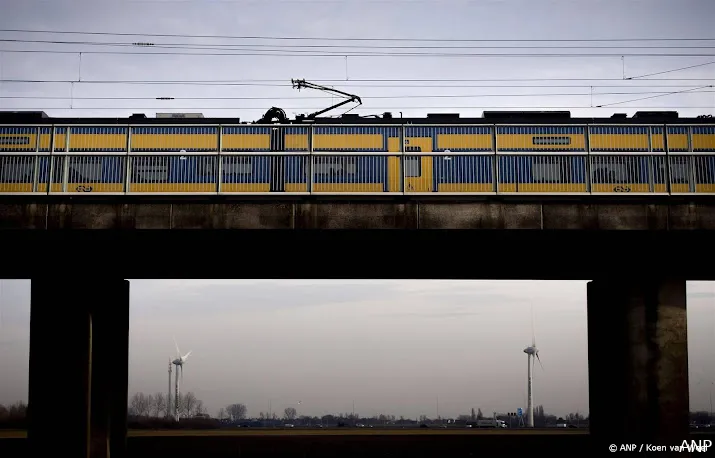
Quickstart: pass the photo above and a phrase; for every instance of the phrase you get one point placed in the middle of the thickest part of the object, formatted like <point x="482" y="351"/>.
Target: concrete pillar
<point x="59" y="378"/>
<point x="110" y="352"/>
<point x="638" y="361"/>
<point x="78" y="367"/>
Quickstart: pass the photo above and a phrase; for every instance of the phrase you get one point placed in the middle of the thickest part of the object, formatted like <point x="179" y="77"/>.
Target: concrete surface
<point x="38" y="213"/>
<point x="638" y="360"/>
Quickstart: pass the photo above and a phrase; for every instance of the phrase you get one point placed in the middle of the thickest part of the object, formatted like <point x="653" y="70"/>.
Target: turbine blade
<point x="542" y="366"/>
<point x="178" y="352"/>
<point x="186" y="355"/>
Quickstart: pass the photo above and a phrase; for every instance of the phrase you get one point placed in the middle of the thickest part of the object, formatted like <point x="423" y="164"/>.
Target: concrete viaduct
<point x="637" y="253"/>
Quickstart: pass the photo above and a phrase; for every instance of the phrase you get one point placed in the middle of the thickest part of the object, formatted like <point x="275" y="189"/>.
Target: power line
<point x="653" y="96"/>
<point x="412" y="96"/>
<point x="671" y="71"/>
<point x="341" y="54"/>
<point x="219" y="46"/>
<point x="469" y="107"/>
<point x="422" y="40"/>
<point x="351" y="82"/>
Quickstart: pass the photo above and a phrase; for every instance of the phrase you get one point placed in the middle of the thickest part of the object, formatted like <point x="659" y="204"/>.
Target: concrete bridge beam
<point x="78" y="367"/>
<point x="638" y="361"/>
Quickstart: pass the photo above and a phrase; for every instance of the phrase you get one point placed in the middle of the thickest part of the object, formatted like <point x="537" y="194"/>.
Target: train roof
<point x="488" y="117"/>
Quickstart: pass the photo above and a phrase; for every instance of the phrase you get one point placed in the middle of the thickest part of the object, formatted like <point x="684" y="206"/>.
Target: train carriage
<point x="652" y="155"/>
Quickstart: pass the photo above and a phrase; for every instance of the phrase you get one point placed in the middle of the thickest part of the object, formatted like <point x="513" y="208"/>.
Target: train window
<point x="679" y="169"/>
<point x="150" y="169"/>
<point x="16" y="169"/>
<point x="85" y="169"/>
<point x="551" y="140"/>
<point x="206" y="165"/>
<point x="413" y="166"/>
<point x="238" y="165"/>
<point x="550" y="169"/>
<point x="613" y="170"/>
<point x="14" y="140"/>
<point x="335" y="165"/>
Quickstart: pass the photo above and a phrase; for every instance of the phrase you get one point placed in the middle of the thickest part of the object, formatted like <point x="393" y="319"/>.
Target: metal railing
<point x="357" y="159"/>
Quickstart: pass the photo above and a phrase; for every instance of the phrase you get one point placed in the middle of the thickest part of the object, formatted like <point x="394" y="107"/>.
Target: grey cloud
<point x="404" y="19"/>
<point x="436" y="314"/>
<point x="261" y="297"/>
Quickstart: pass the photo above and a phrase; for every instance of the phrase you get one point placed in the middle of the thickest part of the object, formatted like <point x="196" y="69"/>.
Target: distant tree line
<point x="157" y="405"/>
<point x="13" y="416"/>
<point x="151" y="411"/>
<point x="146" y="411"/>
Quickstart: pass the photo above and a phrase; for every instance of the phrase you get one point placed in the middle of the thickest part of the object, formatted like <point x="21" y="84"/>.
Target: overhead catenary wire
<point x="342" y="54"/>
<point x="653" y="96"/>
<point x="671" y="71"/>
<point x="401" y="107"/>
<point x="352" y="82"/>
<point x="406" y="96"/>
<point x="347" y="84"/>
<point x="391" y="39"/>
<point x="222" y="46"/>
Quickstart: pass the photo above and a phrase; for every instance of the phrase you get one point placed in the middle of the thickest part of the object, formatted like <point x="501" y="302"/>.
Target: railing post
<point x="666" y="149"/>
<point x="309" y="162"/>
<point x="495" y="161"/>
<point x="692" y="168"/>
<point x="51" y="159"/>
<point x="128" y="163"/>
<point x="36" y="160"/>
<point x="66" y="162"/>
<point x="403" y="187"/>
<point x="219" y="165"/>
<point x="587" y="133"/>
<point x="651" y="161"/>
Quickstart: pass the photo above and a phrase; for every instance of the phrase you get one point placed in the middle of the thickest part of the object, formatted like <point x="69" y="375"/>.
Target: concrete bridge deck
<point x="669" y="213"/>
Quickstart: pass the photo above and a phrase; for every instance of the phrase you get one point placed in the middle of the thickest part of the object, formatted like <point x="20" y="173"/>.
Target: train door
<point x="418" y="169"/>
<point x="277" y="162"/>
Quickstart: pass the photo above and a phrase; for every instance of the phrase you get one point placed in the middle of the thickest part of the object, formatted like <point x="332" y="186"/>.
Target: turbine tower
<point x="532" y="353"/>
<point x="168" y="398"/>
<point x="179" y="362"/>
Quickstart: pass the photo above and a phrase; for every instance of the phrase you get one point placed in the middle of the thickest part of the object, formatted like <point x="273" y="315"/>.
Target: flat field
<point x="247" y="432"/>
<point x="341" y="442"/>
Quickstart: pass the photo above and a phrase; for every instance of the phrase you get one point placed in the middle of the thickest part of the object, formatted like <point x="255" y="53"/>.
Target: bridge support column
<point x="110" y="371"/>
<point x="638" y="361"/>
<point x="78" y="367"/>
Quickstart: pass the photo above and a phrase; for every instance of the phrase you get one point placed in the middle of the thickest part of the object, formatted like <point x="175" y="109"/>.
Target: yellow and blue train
<point x="357" y="155"/>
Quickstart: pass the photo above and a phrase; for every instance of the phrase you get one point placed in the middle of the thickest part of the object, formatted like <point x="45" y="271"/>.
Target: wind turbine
<point x="179" y="362"/>
<point x="532" y="352"/>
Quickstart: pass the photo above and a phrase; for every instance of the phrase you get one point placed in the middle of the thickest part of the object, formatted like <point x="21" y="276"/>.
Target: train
<point x="501" y="152"/>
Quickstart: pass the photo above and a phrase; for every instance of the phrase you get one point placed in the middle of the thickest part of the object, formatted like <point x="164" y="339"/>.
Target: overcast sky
<point x="410" y="19"/>
<point x="391" y="346"/>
